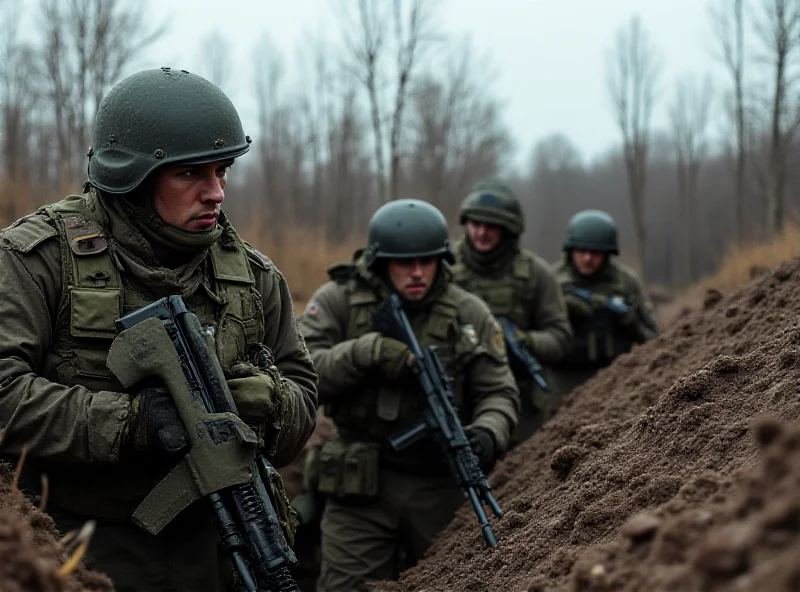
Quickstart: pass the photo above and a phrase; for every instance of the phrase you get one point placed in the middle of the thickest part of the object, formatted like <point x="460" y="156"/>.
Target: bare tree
<point x="633" y="71"/>
<point x="87" y="45"/>
<point x="214" y="59"/>
<point x="778" y="29"/>
<point x="367" y="38"/>
<point x="728" y="18"/>
<point x="456" y="132"/>
<point x="689" y="116"/>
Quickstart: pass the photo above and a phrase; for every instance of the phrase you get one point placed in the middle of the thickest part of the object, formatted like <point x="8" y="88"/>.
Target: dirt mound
<point x="30" y="556"/>
<point x="748" y="539"/>
<point x="665" y="426"/>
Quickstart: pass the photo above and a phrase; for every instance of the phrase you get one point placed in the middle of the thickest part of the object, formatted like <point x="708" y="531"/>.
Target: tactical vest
<point x="379" y="410"/>
<point x="94" y="295"/>
<point x="597" y="342"/>
<point x="508" y="293"/>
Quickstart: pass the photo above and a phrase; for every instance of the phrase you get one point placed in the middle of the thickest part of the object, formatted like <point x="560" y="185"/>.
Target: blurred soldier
<point x="148" y="225"/>
<point x="382" y="503"/>
<point x="516" y="284"/>
<point x="608" y="307"/>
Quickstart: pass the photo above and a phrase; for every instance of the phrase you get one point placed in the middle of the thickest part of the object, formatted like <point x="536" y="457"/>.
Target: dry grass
<point x="302" y="255"/>
<point x="739" y="265"/>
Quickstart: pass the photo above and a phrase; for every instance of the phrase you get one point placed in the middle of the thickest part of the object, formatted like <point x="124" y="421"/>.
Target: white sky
<point x="550" y="55"/>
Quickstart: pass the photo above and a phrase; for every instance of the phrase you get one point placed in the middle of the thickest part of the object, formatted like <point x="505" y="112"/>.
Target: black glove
<point x="482" y="442"/>
<point x="157" y="425"/>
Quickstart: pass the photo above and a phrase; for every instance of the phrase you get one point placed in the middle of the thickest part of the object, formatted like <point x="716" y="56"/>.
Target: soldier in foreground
<point x="149" y="225"/>
<point x="381" y="503"/>
<point x="608" y="307"/>
<point x="517" y="285"/>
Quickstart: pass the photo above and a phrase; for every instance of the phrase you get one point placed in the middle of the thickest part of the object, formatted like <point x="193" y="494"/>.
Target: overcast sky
<point x="550" y="55"/>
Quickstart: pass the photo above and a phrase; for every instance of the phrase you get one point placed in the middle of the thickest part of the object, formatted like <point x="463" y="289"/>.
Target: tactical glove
<point x="627" y="320"/>
<point x="156" y="425"/>
<point x="390" y="356"/>
<point x="577" y="307"/>
<point x="257" y="393"/>
<point x="525" y="338"/>
<point x="482" y="443"/>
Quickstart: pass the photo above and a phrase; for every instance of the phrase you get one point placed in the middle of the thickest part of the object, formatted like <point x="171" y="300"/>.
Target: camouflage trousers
<point x="376" y="539"/>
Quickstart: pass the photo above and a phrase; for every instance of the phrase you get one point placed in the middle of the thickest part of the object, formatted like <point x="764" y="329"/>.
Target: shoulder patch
<point x="497" y="343"/>
<point x="312" y="307"/>
<point x="28" y="232"/>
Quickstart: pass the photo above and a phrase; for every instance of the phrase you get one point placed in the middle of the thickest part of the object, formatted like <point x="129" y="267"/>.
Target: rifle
<point x="613" y="304"/>
<point x="165" y="340"/>
<point x="521" y="354"/>
<point x="438" y="417"/>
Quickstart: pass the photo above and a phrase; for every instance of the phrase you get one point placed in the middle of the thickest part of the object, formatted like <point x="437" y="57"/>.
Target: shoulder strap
<point x="91" y="279"/>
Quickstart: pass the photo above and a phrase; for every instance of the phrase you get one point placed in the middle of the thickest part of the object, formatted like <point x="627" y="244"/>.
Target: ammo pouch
<point x="348" y="469"/>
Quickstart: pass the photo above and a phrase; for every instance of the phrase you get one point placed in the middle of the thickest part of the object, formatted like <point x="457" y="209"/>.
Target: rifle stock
<point x="165" y="340"/>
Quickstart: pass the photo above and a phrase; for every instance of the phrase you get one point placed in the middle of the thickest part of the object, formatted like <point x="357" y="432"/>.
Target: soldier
<point x="148" y="225"/>
<point x="515" y="283"/>
<point x="608" y="307"/>
<point x="382" y="503"/>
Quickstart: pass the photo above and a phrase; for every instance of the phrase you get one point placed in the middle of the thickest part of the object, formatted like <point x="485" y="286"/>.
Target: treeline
<point x="384" y="105"/>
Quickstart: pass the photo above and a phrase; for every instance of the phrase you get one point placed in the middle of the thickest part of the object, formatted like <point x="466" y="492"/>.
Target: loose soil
<point x="29" y="553"/>
<point x="646" y="478"/>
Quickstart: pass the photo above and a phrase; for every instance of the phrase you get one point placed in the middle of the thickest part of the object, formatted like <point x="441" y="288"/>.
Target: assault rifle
<point x="166" y="341"/>
<point x="521" y="354"/>
<point x="439" y="418"/>
<point x="613" y="304"/>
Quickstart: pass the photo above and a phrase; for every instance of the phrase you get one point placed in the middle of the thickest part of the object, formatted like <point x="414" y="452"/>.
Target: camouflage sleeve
<point x="292" y="359"/>
<point x="490" y="383"/>
<point x="337" y="360"/>
<point x="55" y="422"/>
<point x="551" y="333"/>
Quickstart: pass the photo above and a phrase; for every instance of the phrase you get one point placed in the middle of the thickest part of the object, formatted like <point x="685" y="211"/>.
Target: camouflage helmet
<point x="593" y="230"/>
<point x="493" y="202"/>
<point x="161" y="117"/>
<point x="407" y="228"/>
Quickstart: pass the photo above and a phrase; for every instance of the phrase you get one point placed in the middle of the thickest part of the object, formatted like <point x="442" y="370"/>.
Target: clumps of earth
<point x="34" y="556"/>
<point x="676" y="468"/>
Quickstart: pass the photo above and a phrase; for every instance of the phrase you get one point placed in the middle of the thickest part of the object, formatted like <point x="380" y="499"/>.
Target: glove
<point x="255" y="392"/>
<point x="629" y="318"/>
<point x="525" y="338"/>
<point x="390" y="356"/>
<point x="577" y="307"/>
<point x="156" y="425"/>
<point x="482" y="443"/>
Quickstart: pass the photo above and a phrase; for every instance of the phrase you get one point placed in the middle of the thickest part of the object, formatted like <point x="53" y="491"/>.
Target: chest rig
<point x="378" y="410"/>
<point x="507" y="293"/>
<point x="95" y="294"/>
<point x="596" y="341"/>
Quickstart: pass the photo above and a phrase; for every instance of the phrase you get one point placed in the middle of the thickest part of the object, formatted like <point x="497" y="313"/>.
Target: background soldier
<point x="515" y="283"/>
<point x="383" y="503"/>
<point x="608" y="307"/>
<point x="149" y="225"/>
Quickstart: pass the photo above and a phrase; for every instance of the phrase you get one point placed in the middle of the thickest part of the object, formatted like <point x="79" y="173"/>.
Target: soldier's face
<point x="587" y="262"/>
<point x="189" y="196"/>
<point x="484" y="237"/>
<point x="412" y="278"/>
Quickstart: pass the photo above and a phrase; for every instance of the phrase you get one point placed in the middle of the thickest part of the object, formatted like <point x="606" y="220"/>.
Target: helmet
<point x="407" y="228"/>
<point x="493" y="202"/>
<point x="594" y="230"/>
<point x="161" y="117"/>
